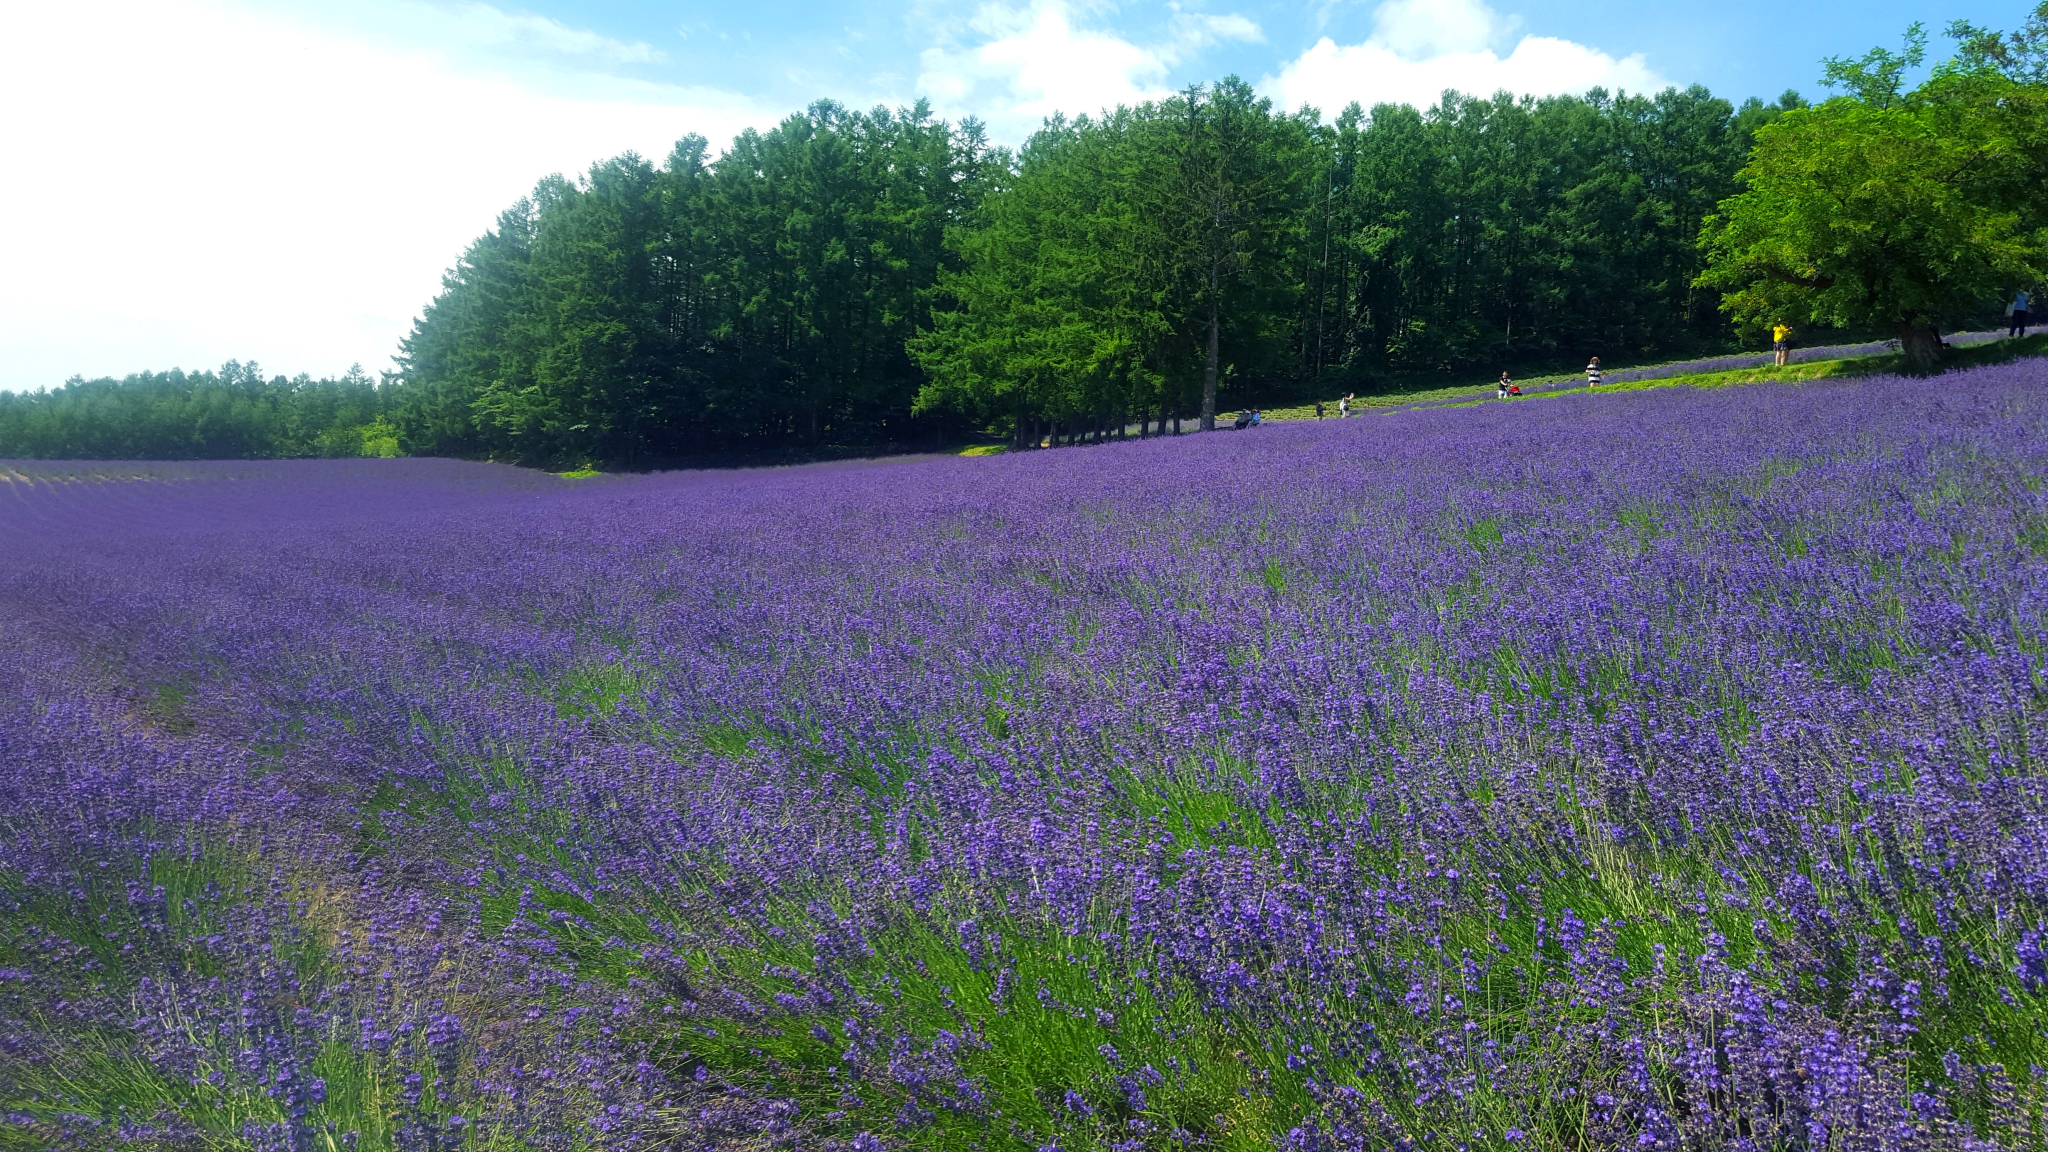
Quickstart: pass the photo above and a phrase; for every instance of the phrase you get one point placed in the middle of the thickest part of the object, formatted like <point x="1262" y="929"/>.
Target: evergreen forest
<point x="883" y="277"/>
<point x="232" y="413"/>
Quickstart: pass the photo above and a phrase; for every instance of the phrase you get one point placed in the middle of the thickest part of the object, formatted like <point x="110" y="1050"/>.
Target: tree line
<point x="763" y="300"/>
<point x="852" y="278"/>
<point x="858" y="280"/>
<point x="233" y="413"/>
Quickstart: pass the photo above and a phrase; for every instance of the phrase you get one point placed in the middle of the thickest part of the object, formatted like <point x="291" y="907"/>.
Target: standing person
<point x="1344" y="405"/>
<point x="1593" y="373"/>
<point x="1781" y="347"/>
<point x="2021" y="300"/>
<point x="1501" y="391"/>
<point x="1319" y="409"/>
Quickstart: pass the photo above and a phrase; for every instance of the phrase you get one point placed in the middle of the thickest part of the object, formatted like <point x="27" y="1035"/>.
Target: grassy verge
<point x="1971" y="356"/>
<point x="2002" y="352"/>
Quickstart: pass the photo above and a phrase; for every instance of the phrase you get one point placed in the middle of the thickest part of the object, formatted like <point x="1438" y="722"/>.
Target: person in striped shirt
<point x="1593" y="373"/>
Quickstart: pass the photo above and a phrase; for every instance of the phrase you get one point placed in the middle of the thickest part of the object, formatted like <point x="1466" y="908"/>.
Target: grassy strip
<point x="1969" y="356"/>
<point x="1891" y="363"/>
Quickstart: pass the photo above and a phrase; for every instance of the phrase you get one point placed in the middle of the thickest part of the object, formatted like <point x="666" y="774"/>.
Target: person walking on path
<point x="1344" y="405"/>
<point x="2020" y="302"/>
<point x="1593" y="373"/>
<point x="1319" y="409"/>
<point x="1781" y="336"/>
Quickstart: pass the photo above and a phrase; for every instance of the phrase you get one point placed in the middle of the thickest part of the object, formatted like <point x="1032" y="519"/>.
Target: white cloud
<point x="1421" y="28"/>
<point x="190" y="181"/>
<point x="1419" y="48"/>
<point x="1025" y="63"/>
<point x="481" y="24"/>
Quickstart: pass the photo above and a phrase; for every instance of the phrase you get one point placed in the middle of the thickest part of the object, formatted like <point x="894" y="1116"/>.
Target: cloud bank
<point x="1015" y="65"/>
<point x="1419" y="48"/>
<point x="190" y="181"/>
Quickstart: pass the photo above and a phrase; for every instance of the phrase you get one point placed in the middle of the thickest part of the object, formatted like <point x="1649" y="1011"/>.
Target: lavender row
<point x="1661" y="772"/>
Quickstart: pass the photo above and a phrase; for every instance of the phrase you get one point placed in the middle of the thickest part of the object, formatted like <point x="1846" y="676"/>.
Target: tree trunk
<point x="1210" y="365"/>
<point x="1921" y="344"/>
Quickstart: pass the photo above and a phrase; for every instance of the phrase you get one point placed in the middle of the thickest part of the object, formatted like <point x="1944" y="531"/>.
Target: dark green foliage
<point x="851" y="278"/>
<point x="758" y="302"/>
<point x="230" y="414"/>
<point x="1328" y="257"/>
<point x="1504" y="230"/>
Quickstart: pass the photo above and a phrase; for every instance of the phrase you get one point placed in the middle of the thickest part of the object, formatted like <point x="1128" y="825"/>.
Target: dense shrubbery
<point x="1649" y="770"/>
<point x="229" y="414"/>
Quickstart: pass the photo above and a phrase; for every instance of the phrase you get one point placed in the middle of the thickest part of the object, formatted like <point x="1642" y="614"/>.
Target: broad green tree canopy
<point x="1901" y="211"/>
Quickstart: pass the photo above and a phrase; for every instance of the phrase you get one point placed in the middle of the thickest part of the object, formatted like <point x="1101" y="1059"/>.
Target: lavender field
<point x="1649" y="770"/>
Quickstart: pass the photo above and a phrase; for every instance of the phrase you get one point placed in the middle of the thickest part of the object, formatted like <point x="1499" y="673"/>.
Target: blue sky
<point x="285" y="180"/>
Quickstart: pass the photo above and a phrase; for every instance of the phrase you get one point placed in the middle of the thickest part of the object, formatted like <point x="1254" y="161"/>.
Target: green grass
<point x="1971" y="356"/>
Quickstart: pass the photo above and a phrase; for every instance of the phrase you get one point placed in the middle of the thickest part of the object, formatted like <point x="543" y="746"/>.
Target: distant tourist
<point x="1344" y="405"/>
<point x="1255" y="417"/>
<point x="1501" y="391"/>
<point x="1319" y="409"/>
<point x="1593" y="373"/>
<point x="2020" y="302"/>
<point x="1781" y="343"/>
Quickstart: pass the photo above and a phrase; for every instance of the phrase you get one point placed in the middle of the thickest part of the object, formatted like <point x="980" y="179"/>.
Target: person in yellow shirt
<point x="1781" y="336"/>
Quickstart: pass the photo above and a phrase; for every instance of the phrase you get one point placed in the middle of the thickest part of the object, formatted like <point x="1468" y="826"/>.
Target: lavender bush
<point x="1655" y="771"/>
